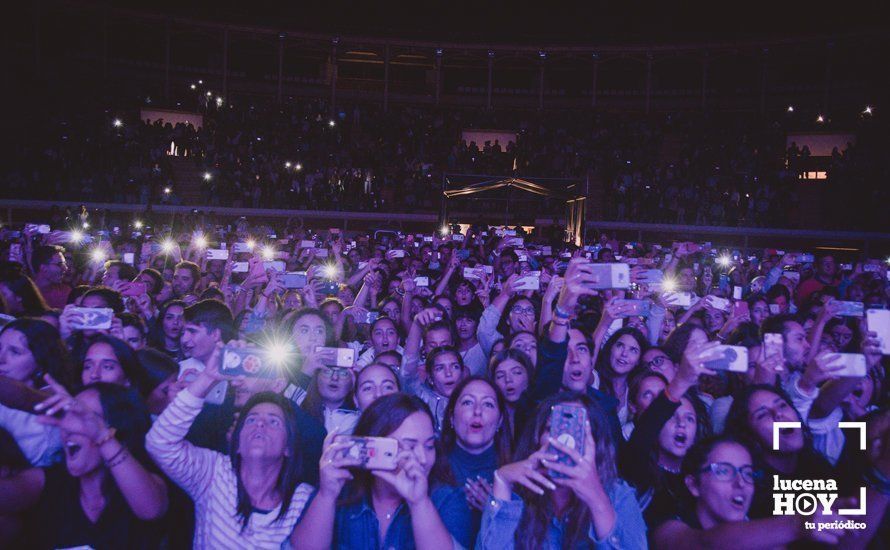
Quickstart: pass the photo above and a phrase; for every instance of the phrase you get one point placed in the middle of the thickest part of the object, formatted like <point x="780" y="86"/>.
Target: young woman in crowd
<point x="414" y="506"/>
<point x="29" y="350"/>
<point x="616" y="363"/>
<point x="586" y="504"/>
<point x="329" y="398"/>
<point x="445" y="370"/>
<point x="721" y="478"/>
<point x="512" y="372"/>
<point x="167" y="329"/>
<point x="663" y="433"/>
<point x="108" y="359"/>
<point x="521" y="315"/>
<point x="373" y="382"/>
<point x="257" y="485"/>
<point x="384" y="337"/>
<point x="21" y="295"/>
<point x="106" y="494"/>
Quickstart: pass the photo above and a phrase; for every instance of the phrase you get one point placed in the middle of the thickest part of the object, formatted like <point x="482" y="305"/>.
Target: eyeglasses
<point x="656" y="362"/>
<point x="523" y="310"/>
<point x="724" y="471"/>
<point x="335" y="372"/>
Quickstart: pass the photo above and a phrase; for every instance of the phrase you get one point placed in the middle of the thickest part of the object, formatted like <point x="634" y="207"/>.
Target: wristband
<point x="108" y="436"/>
<point x="558" y="311"/>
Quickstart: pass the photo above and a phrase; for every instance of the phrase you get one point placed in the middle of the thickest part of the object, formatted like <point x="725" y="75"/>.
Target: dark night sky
<point x="592" y="21"/>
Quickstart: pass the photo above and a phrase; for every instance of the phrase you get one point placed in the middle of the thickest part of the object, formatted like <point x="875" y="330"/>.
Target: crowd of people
<point x="242" y="385"/>
<point x="688" y="168"/>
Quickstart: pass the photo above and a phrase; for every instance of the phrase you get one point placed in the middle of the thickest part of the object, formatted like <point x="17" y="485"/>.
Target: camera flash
<point x="167" y="246"/>
<point x="137" y="224"/>
<point x="76" y="236"/>
<point x="251" y="244"/>
<point x="268" y="253"/>
<point x="200" y="241"/>
<point x="98" y="255"/>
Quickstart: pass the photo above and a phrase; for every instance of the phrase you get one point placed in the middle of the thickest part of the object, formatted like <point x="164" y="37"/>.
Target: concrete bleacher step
<point x="188" y="178"/>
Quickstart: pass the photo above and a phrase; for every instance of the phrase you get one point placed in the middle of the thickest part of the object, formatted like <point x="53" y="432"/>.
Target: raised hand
<point x="525" y="473"/>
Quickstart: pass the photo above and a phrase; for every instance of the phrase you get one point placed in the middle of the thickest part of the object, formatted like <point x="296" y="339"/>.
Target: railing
<point x="871" y="243"/>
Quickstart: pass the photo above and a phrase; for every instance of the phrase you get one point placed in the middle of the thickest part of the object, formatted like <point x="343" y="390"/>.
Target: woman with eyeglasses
<point x="507" y="314"/>
<point x="720" y="477"/>
<point x="329" y="398"/>
<point x="414" y="506"/>
<point x="656" y="359"/>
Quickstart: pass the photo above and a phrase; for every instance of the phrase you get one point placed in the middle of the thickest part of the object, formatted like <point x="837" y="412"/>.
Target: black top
<point x="58" y="519"/>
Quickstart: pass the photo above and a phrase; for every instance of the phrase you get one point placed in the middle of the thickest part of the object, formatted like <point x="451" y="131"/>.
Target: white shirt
<point x="41" y="444"/>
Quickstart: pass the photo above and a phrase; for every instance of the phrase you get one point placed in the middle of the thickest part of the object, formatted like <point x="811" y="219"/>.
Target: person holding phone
<point x="258" y="483"/>
<point x="414" y="506"/>
<point x="107" y="493"/>
<point x="720" y="477"/>
<point x="30" y="349"/>
<point x="542" y="502"/>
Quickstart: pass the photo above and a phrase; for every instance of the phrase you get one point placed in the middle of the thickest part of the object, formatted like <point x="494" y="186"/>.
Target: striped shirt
<point x="208" y="478"/>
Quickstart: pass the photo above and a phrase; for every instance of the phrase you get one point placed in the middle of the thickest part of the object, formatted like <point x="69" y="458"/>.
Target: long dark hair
<point x="604" y="361"/>
<point x="48" y="349"/>
<point x="538" y="512"/>
<point x="156" y="337"/>
<point x="291" y="468"/>
<point x="22" y="286"/>
<point x="678" y="339"/>
<point x="125" y="355"/>
<point x="380" y="419"/>
<point x="313" y="403"/>
<point x="502" y="437"/>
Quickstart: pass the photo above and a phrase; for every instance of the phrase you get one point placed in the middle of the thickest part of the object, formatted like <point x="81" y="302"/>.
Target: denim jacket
<point x="357" y="527"/>
<point x="501" y="518"/>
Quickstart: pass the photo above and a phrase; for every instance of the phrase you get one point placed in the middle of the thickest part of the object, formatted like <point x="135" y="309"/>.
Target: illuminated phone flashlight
<point x="137" y="224"/>
<point x="219" y="101"/>
<point x="76" y="236"/>
<point x="724" y="261"/>
<point x="209" y="94"/>
<point x="118" y="123"/>
<point x="444" y="230"/>
<point x="330" y="271"/>
<point x="86" y="225"/>
<point x="192" y="86"/>
<point x="251" y="244"/>
<point x="331" y="123"/>
<point x="167" y="190"/>
<point x="207" y="176"/>
<point x="278" y="353"/>
<point x="668" y="285"/>
<point x="98" y="255"/>
<point x="298" y="167"/>
<point x="167" y="246"/>
<point x="268" y="253"/>
<point x="287" y="164"/>
<point x="200" y="241"/>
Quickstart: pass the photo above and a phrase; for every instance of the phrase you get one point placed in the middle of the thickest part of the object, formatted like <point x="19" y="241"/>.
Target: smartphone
<point x="871" y="268"/>
<point x="457" y="237"/>
<point x="850" y="309"/>
<point x="217" y="254"/>
<point x="294" y="279"/>
<point x="650" y="277"/>
<point x="275" y="265"/>
<point x="371" y="317"/>
<point x="427" y="238"/>
<point x="133" y="289"/>
<point x="608" y="276"/>
<point x="774" y="344"/>
<point x="515" y="242"/>
<point x="736" y="293"/>
<point x="396" y="253"/>
<point x="679" y="299"/>
<point x="252" y="362"/>
<point x="739" y="308"/>
<point x="321" y="252"/>
<point x="40" y="228"/>
<point x="528" y="281"/>
<point x="567" y="425"/>
<point x="422" y="281"/>
<point x="329" y="288"/>
<point x="733" y="359"/>
<point x="854" y="365"/>
<point x="878" y="321"/>
<point x="342" y="420"/>
<point x="217" y="394"/>
<point x="774" y="309"/>
<point x="636" y="308"/>
<point x="239" y="267"/>
<point x="717" y="302"/>
<point x="240" y="248"/>
<point x="374" y="453"/>
<point x="343" y="357"/>
<point x="93" y="318"/>
<point x="15" y="252"/>
<point x="307" y="244"/>
<point x="804" y="259"/>
<point x="128" y="258"/>
<point x="477" y="272"/>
